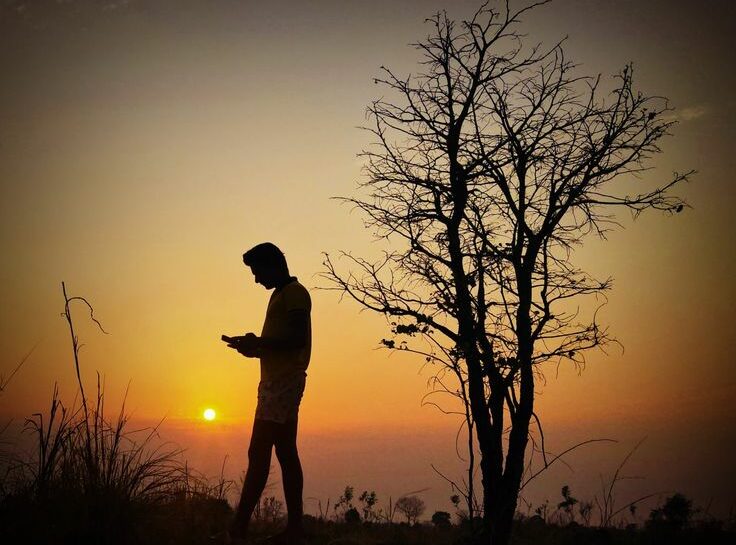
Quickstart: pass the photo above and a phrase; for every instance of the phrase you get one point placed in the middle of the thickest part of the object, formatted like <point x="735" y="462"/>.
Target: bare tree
<point x="412" y="507"/>
<point x="488" y="168"/>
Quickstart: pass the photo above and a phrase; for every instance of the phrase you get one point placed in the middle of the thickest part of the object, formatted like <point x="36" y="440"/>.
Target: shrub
<point x="441" y="519"/>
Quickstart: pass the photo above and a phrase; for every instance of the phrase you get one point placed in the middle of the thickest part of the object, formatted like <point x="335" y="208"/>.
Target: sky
<point x="144" y="146"/>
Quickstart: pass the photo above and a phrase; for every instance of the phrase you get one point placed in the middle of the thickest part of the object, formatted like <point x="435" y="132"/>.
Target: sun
<point x="209" y="414"/>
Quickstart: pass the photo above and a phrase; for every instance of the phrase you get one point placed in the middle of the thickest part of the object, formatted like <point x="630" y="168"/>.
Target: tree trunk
<point x="501" y="498"/>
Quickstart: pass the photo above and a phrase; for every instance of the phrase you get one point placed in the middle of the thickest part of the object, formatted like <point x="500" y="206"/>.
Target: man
<point x="283" y="348"/>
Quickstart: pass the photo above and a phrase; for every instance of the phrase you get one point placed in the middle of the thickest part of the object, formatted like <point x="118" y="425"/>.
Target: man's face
<point x="263" y="275"/>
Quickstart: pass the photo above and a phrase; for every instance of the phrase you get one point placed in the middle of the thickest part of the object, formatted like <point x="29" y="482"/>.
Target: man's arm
<point x="296" y="337"/>
<point x="251" y="345"/>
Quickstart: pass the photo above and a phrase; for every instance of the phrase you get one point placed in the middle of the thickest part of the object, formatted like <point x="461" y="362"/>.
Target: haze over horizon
<point x="144" y="146"/>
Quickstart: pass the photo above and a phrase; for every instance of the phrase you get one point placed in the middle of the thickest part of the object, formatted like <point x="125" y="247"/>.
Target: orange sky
<point x="144" y="146"/>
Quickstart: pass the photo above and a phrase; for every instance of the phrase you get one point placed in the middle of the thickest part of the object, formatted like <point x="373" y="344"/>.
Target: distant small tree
<point x="412" y="507"/>
<point x="441" y="519"/>
<point x="676" y="513"/>
<point x="344" y="503"/>
<point x="369" y="500"/>
<point x="567" y="504"/>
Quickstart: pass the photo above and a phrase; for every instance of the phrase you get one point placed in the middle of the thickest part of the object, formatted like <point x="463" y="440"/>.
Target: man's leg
<point x="259" y="461"/>
<point x="291" y="471"/>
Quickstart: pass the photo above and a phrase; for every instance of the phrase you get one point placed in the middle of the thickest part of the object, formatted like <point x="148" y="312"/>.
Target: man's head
<point x="268" y="264"/>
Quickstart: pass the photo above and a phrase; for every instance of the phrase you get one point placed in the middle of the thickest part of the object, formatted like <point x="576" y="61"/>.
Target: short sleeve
<point x="296" y="298"/>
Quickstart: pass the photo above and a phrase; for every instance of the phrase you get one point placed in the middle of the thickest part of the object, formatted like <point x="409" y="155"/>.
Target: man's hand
<point x="249" y="345"/>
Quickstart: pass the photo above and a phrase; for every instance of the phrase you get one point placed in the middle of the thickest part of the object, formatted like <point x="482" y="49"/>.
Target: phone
<point x="231" y="340"/>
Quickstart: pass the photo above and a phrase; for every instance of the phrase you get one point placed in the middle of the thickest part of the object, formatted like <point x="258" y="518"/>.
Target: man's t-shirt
<point x="279" y="365"/>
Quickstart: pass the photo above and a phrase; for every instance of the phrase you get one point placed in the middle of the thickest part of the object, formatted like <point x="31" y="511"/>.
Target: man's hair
<point x="267" y="254"/>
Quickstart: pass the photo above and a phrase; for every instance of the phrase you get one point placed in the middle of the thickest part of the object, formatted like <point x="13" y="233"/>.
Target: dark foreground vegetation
<point x="70" y="516"/>
<point x="91" y="480"/>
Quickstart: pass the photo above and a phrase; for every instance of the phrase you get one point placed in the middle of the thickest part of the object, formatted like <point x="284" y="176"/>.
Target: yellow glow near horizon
<point x="209" y="414"/>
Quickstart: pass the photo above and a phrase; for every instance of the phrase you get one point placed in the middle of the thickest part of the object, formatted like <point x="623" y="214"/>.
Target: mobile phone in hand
<point x="231" y="341"/>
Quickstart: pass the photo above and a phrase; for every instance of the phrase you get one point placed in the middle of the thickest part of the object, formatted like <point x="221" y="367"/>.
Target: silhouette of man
<point x="283" y="348"/>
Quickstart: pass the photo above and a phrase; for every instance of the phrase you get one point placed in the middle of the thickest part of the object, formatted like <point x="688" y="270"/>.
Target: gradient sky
<point x="145" y="145"/>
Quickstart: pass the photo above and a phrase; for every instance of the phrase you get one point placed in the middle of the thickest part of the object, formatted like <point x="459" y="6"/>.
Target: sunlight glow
<point x="209" y="414"/>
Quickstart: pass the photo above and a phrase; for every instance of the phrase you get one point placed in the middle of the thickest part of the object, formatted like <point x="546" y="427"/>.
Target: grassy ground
<point x="61" y="518"/>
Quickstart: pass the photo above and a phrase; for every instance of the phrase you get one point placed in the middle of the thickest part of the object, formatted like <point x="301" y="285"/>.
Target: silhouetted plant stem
<point x="5" y="381"/>
<point x="75" y="351"/>
<point x="68" y="316"/>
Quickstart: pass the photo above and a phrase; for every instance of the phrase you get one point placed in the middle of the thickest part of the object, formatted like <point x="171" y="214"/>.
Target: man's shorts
<point x="278" y="400"/>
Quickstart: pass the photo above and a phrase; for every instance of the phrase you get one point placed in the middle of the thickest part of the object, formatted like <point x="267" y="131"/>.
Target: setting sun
<point x="209" y="414"/>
